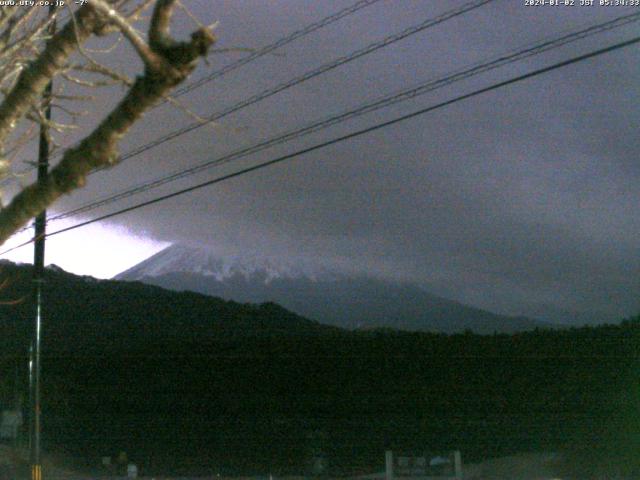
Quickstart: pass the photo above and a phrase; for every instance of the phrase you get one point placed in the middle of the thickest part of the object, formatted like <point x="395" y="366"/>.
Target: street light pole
<point x="38" y="278"/>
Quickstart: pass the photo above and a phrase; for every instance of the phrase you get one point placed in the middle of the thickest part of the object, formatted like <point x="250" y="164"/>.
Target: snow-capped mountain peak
<point x="180" y="258"/>
<point x="330" y="296"/>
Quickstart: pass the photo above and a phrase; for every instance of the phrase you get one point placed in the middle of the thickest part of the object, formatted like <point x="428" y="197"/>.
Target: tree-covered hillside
<point x="189" y="384"/>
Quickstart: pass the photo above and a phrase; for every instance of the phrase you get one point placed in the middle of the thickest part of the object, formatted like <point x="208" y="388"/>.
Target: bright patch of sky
<point x="99" y="250"/>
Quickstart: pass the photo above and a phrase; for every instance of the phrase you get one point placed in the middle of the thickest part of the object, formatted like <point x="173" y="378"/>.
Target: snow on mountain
<point x="201" y="261"/>
<point x="321" y="294"/>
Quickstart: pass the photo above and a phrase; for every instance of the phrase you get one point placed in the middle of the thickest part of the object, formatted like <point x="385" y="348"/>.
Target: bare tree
<point x="30" y="59"/>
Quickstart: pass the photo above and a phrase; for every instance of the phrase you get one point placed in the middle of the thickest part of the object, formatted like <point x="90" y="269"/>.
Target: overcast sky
<point x="523" y="200"/>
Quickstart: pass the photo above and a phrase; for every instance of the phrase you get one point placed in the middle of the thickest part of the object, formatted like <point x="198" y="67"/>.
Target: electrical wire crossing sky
<point x="510" y="192"/>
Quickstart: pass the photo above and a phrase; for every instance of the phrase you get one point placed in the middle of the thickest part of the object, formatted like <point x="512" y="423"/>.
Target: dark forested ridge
<point x="190" y="384"/>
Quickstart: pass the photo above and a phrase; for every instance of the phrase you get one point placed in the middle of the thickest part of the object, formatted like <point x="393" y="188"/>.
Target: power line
<point x="386" y="41"/>
<point x="281" y="42"/>
<point x="273" y="46"/>
<point x="386" y="101"/>
<point x="389" y="40"/>
<point x="342" y="138"/>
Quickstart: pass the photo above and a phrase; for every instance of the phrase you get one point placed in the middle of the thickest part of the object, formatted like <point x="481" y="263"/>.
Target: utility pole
<point x="38" y="279"/>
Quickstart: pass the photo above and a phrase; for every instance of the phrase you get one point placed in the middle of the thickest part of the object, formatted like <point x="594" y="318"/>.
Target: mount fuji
<point x="330" y="297"/>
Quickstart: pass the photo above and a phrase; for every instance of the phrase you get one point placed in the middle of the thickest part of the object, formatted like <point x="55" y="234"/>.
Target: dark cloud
<point x="522" y="200"/>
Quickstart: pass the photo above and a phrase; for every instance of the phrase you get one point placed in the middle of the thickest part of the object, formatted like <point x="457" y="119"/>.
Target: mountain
<point x="193" y="386"/>
<point x="330" y="297"/>
<point x="83" y="312"/>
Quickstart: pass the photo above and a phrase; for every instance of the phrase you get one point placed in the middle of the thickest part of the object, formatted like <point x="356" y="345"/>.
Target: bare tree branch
<point x="170" y="64"/>
<point x="34" y="78"/>
<point x="130" y="33"/>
